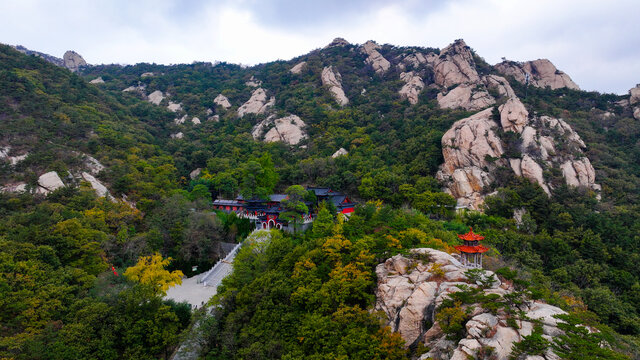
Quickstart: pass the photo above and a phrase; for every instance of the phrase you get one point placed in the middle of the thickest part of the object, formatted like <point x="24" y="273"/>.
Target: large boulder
<point x="466" y="96"/>
<point x="500" y="84"/>
<point x="97" y="186"/>
<point x="223" y="101"/>
<point x="337" y="42"/>
<point x="297" y="68"/>
<point x="542" y="73"/>
<point x="379" y="64"/>
<point x="332" y="79"/>
<point x="412" y="87"/>
<point x="288" y="129"/>
<point x="634" y="95"/>
<point x="340" y="152"/>
<point x="513" y="115"/>
<point x="156" y="97"/>
<point x="49" y="182"/>
<point x="257" y="104"/>
<point x="455" y="65"/>
<point x="73" y="61"/>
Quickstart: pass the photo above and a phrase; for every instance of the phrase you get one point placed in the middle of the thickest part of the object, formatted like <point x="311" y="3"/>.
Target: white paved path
<point x="197" y="290"/>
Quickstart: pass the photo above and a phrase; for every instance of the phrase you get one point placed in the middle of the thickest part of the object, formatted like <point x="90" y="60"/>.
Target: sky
<point x="596" y="42"/>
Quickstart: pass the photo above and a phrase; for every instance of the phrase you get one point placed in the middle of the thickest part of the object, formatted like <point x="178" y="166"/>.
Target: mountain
<point x="110" y="163"/>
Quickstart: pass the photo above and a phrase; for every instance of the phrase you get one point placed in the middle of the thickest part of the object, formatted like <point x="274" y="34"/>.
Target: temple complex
<point x="265" y="213"/>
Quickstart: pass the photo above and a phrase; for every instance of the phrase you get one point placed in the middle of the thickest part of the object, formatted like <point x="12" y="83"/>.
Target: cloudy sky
<point x="596" y="42"/>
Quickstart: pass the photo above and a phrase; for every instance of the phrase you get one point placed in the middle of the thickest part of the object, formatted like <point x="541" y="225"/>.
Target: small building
<point x="471" y="251"/>
<point x="265" y="213"/>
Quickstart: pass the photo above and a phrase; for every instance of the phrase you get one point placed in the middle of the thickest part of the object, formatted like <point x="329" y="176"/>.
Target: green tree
<point x="294" y="206"/>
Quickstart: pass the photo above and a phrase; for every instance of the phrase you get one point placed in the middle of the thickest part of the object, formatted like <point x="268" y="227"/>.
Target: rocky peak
<point x="455" y="65"/>
<point x="634" y="95"/>
<point x="542" y="73"/>
<point x="332" y="79"/>
<point x="409" y="292"/>
<point x="337" y="42"/>
<point x="73" y="61"/>
<point x="379" y="64"/>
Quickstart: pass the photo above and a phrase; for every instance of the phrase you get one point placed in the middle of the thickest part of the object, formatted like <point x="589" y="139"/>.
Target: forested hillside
<point x="387" y="108"/>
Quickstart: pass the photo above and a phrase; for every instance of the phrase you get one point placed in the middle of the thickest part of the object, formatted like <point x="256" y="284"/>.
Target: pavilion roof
<point x="470" y="236"/>
<point x="472" y="249"/>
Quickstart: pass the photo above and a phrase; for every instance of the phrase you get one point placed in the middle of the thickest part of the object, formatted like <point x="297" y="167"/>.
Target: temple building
<point x="265" y="213"/>
<point x="471" y="251"/>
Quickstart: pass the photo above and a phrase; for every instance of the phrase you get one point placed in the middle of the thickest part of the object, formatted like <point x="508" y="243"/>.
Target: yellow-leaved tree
<point x="150" y="270"/>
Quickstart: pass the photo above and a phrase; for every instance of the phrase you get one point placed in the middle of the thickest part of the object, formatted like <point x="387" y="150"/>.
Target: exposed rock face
<point x="339" y="152"/>
<point x="412" y="87"/>
<point x="530" y="169"/>
<point x="99" y="188"/>
<point x="97" y="80"/>
<point x="92" y="164"/>
<point x="467" y="148"/>
<point x="636" y="113"/>
<point x="466" y="96"/>
<point x="379" y="64"/>
<point x="140" y="88"/>
<point x="147" y="74"/>
<point x="257" y="104"/>
<point x="333" y="80"/>
<point x="409" y="294"/>
<point x="222" y="101"/>
<point x="156" y="97"/>
<point x="175" y="107"/>
<point x="4" y="154"/>
<point x="634" y="95"/>
<point x="542" y="73"/>
<point x="180" y="121"/>
<point x="178" y="135"/>
<point x="579" y="172"/>
<point x="49" y="182"/>
<point x="297" y="69"/>
<point x="500" y="84"/>
<point x="414" y="60"/>
<point x="289" y="130"/>
<point x="73" y="61"/>
<point x="337" y="42"/>
<point x="253" y="82"/>
<point x="513" y="115"/>
<point x="195" y="173"/>
<point x="455" y="65"/>
<point x="18" y="187"/>
<point x="195" y="121"/>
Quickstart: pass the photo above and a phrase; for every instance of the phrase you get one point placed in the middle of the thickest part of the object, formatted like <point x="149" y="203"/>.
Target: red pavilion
<point x="471" y="251"/>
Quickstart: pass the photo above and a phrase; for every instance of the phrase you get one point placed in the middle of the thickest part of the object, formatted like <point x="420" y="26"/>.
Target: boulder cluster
<point x="51" y="180"/>
<point x="410" y="293"/>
